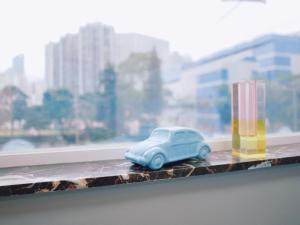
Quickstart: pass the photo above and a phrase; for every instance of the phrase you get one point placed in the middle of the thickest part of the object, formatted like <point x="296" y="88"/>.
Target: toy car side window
<point x="179" y="137"/>
<point x="193" y="136"/>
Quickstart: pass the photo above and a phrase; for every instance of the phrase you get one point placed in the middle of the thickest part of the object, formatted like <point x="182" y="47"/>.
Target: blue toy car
<point x="168" y="145"/>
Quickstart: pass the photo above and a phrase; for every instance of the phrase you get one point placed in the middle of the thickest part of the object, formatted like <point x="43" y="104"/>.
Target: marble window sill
<point x="63" y="177"/>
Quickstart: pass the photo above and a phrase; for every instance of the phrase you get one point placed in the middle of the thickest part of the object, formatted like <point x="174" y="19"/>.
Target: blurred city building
<point x="35" y="92"/>
<point x="69" y="71"/>
<point x="97" y="49"/>
<point x="15" y="75"/>
<point x="129" y="43"/>
<point x="18" y="64"/>
<point x="52" y="65"/>
<point x="206" y="82"/>
<point x="76" y="61"/>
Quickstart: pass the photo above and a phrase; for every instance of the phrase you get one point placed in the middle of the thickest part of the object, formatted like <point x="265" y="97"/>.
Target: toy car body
<point x="168" y="145"/>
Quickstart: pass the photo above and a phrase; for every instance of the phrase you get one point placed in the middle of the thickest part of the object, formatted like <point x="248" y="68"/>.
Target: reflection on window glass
<point x="123" y="68"/>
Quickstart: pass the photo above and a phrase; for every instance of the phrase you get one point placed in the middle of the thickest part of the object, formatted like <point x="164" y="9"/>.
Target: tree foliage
<point x="283" y="103"/>
<point x="13" y="102"/>
<point x="36" y="117"/>
<point x="107" y="109"/>
<point x="140" y="85"/>
<point x="88" y="103"/>
<point x="224" y="105"/>
<point x="19" y="109"/>
<point x="132" y="76"/>
<point x="153" y="91"/>
<point x="58" y="105"/>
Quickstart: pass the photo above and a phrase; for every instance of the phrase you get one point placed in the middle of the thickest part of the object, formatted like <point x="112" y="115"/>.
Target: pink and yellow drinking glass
<point x="248" y="119"/>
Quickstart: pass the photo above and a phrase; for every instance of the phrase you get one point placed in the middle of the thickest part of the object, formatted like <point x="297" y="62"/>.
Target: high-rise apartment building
<point x="15" y="75"/>
<point x="52" y="66"/>
<point x="18" y="65"/>
<point x="97" y="49"/>
<point x="77" y="60"/>
<point x="69" y="61"/>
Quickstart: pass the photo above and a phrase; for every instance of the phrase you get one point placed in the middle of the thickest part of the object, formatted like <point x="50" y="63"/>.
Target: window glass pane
<point x="92" y="72"/>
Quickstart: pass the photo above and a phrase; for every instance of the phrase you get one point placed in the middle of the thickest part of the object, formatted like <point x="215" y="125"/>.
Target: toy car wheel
<point x="203" y="152"/>
<point x="157" y="162"/>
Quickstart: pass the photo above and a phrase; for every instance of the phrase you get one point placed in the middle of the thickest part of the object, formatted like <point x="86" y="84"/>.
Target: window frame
<point x="114" y="151"/>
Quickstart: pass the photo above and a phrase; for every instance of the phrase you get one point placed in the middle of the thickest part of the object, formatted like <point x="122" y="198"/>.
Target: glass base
<point x="249" y="154"/>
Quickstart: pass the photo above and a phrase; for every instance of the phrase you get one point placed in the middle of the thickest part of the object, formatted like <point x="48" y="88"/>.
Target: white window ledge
<point x="98" y="152"/>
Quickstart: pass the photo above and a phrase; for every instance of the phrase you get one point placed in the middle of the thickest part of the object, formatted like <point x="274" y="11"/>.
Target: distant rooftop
<point x="141" y="35"/>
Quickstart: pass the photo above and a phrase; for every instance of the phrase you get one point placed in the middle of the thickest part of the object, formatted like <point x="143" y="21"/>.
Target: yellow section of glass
<point x="251" y="146"/>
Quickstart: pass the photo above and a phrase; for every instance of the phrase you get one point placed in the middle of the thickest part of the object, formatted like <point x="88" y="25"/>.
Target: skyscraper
<point x="15" y="75"/>
<point x="96" y="50"/>
<point x="77" y="61"/>
<point x="69" y="59"/>
<point x="62" y="63"/>
<point x="18" y="65"/>
<point x="52" y="65"/>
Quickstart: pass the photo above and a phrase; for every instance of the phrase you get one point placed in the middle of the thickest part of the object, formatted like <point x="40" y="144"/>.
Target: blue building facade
<point x="268" y="57"/>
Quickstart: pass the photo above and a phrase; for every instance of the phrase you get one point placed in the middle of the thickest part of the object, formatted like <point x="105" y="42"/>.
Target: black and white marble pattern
<point x="49" y="178"/>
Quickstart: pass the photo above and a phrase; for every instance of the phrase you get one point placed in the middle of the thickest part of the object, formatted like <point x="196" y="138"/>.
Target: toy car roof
<point x="175" y="129"/>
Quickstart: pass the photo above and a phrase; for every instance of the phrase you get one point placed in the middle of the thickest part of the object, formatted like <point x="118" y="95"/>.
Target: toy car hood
<point x="142" y="147"/>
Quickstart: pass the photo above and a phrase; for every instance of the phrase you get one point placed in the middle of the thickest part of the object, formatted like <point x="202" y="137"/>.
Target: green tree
<point x="224" y="105"/>
<point x="132" y="74"/>
<point x="88" y="106"/>
<point x="107" y="110"/>
<point x="58" y="105"/>
<point x="139" y="88"/>
<point x="36" y="117"/>
<point x="96" y="134"/>
<point x="135" y="66"/>
<point x="14" y="103"/>
<point x="283" y="102"/>
<point x="19" y="109"/>
<point x="130" y="84"/>
<point x="153" y="91"/>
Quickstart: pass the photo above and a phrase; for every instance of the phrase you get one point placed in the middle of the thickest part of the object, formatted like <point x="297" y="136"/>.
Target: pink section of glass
<point x="248" y="119"/>
<point x="247" y="107"/>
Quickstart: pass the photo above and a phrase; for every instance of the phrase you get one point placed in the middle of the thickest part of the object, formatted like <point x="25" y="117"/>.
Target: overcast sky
<point x="193" y="27"/>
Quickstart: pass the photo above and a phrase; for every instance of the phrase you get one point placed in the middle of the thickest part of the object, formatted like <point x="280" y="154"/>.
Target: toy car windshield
<point x="160" y="134"/>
